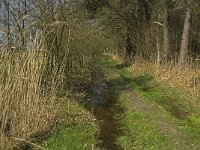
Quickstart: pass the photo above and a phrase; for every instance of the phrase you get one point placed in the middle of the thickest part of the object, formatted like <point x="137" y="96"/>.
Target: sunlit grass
<point x="78" y="132"/>
<point x="140" y="132"/>
<point x="137" y="123"/>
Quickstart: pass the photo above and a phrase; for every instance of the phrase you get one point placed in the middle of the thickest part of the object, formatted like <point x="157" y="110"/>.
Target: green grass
<point x="145" y="85"/>
<point x="192" y="133"/>
<point x="140" y="132"/>
<point x="80" y="137"/>
<point x="194" y="120"/>
<point x="150" y="89"/>
<point x="79" y="131"/>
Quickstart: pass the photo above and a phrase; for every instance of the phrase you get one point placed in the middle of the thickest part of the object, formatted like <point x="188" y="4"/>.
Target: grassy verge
<point x="73" y="138"/>
<point x="140" y="132"/>
<point x="78" y="131"/>
<point x="170" y="98"/>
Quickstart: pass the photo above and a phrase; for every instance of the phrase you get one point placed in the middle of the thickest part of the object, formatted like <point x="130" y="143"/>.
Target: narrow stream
<point x="102" y="103"/>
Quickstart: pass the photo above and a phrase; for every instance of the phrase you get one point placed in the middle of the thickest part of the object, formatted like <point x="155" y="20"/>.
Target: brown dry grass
<point x="24" y="107"/>
<point x="187" y="78"/>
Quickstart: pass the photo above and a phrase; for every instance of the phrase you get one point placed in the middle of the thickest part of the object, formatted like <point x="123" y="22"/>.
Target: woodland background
<point x="47" y="45"/>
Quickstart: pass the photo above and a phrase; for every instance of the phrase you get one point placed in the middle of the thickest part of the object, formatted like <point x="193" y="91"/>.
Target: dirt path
<point x="165" y="123"/>
<point x="161" y="119"/>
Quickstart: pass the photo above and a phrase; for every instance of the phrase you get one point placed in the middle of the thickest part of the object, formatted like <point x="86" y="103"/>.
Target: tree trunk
<point x="185" y="36"/>
<point x="7" y="5"/>
<point x="23" y="23"/>
<point x="158" y="47"/>
<point x="166" y="38"/>
<point x="166" y="42"/>
<point x="129" y="46"/>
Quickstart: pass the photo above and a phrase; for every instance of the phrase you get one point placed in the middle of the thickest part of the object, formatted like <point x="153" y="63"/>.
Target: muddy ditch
<point x="101" y="101"/>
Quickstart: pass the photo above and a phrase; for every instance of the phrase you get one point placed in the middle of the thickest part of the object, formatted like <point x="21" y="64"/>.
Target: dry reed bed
<point x="187" y="78"/>
<point x="24" y="107"/>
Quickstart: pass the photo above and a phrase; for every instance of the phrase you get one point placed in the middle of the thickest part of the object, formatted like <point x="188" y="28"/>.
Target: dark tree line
<point x="163" y="29"/>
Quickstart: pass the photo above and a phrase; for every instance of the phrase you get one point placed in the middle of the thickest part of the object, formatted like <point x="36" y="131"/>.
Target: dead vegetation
<point x="25" y="109"/>
<point x="187" y="78"/>
<point x="34" y="75"/>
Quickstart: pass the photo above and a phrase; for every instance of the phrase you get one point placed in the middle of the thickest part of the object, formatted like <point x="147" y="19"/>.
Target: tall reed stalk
<point x="24" y="107"/>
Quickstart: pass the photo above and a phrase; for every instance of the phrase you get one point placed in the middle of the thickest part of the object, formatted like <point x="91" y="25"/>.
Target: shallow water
<point x="102" y="103"/>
